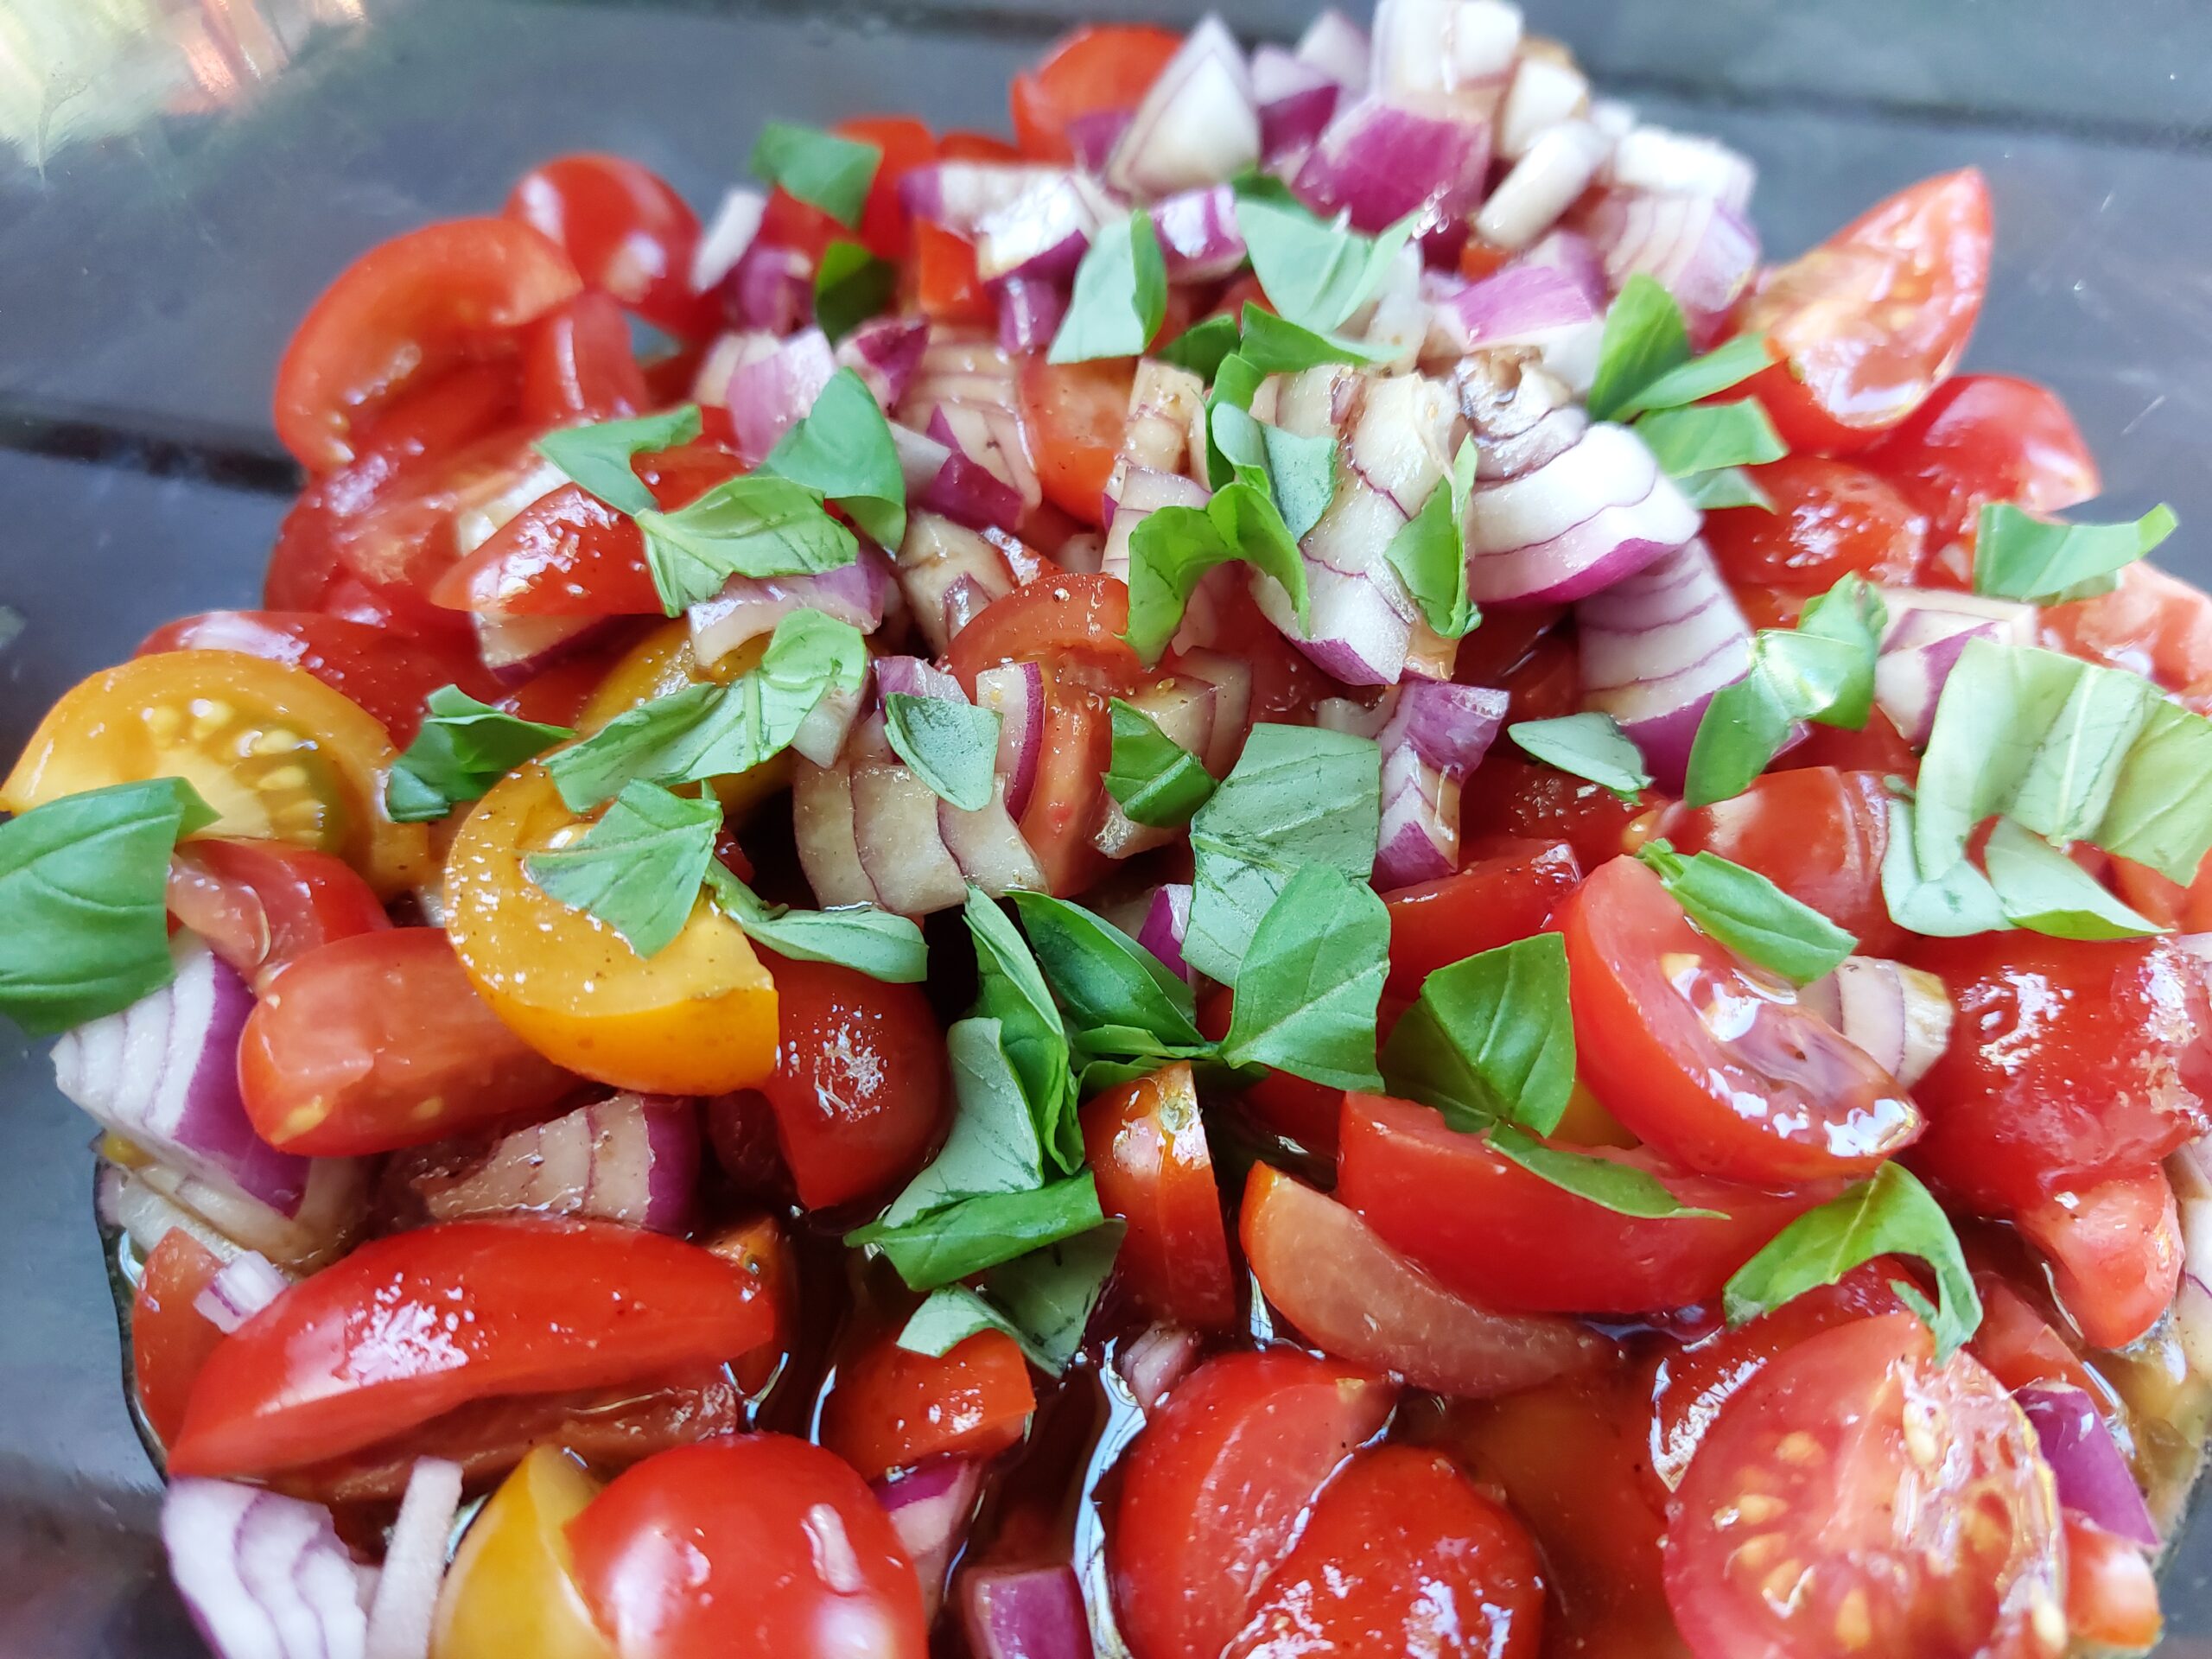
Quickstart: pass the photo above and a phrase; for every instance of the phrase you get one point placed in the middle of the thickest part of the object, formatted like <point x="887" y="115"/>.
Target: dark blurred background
<point x="178" y="179"/>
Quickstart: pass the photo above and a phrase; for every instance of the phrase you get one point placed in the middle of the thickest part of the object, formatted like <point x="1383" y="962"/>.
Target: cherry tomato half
<point x="512" y="1588"/>
<point x="1830" y="519"/>
<point x="261" y="905"/>
<point x="1098" y="71"/>
<point x="170" y="1340"/>
<point x="1145" y="1142"/>
<point x="892" y="1408"/>
<point x="1509" y="796"/>
<point x="2116" y="1252"/>
<point x="1506" y="893"/>
<point x="1074" y="414"/>
<point x="2152" y="623"/>
<point x="577" y="365"/>
<point x="628" y="234"/>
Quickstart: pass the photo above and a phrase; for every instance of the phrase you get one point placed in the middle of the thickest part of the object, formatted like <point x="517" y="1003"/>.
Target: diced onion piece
<point x="1015" y="692"/>
<point x="988" y="845"/>
<point x="1420" y="821"/>
<point x="1523" y="306"/>
<point x="1522" y="416"/>
<point x="633" y="1158"/>
<point x="727" y="236"/>
<point x="2085" y="1462"/>
<point x="1167" y="405"/>
<point x="1182" y="707"/>
<point x="1544" y="93"/>
<point x="1899" y="1016"/>
<point x="1655" y="647"/>
<point x="1024" y="1612"/>
<point x="772" y="289"/>
<point x="931" y="1508"/>
<point x="770" y="395"/>
<point x="1295" y="99"/>
<point x="749" y="607"/>
<point x="1655" y="158"/>
<point x="1451" y="47"/>
<point x="1339" y="48"/>
<point x="415" y="1563"/>
<point x="1141" y="492"/>
<point x="1197" y="125"/>
<point x="1166" y="920"/>
<point x="1927" y="631"/>
<point x="1231" y="679"/>
<point x="126" y="1203"/>
<point x="974" y="486"/>
<point x="1698" y="248"/>
<point x="828" y="849"/>
<point x="937" y="553"/>
<point x="1595" y="515"/>
<point x="1543" y="184"/>
<point x="1031" y="309"/>
<point x="1199" y="238"/>
<point x="887" y="354"/>
<point x="895" y="828"/>
<point x="328" y="1216"/>
<point x="1379" y="161"/>
<point x="248" y="1283"/>
<point x="264" y="1576"/>
<point x="1154" y="1361"/>
<point x="1450" y="726"/>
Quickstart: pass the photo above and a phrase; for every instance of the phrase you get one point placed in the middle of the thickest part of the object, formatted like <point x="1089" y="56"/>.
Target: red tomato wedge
<point x="1508" y="893"/>
<point x="1146" y="1143"/>
<point x="1725" y="1072"/>
<point x="409" y="1326"/>
<point x="1830" y="519"/>
<point x="1509" y="796"/>
<point x="401" y="314"/>
<point x="577" y="365"/>
<point x="628" y="235"/>
<point x="170" y="1340"/>
<point x="1402" y="1555"/>
<point x="1082" y="617"/>
<point x="1504" y="1238"/>
<point x="750" y="1544"/>
<point x="1355" y="1298"/>
<point x="2112" y="1597"/>
<point x="2115" y="1254"/>
<point x="943" y="278"/>
<point x="1074" y="414"/>
<point x="890" y="1409"/>
<point x="1859" y="1498"/>
<point x="2152" y="623"/>
<point x="1095" y="74"/>
<point x="1213" y="1491"/>
<point x="1871" y="320"/>
<point x="378" y="1041"/>
<point x="261" y="905"/>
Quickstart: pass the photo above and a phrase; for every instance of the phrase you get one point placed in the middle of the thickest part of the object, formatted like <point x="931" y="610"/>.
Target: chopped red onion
<point x="1093" y="136"/>
<point x="1464" y="49"/>
<point x="748" y="606"/>
<point x="1544" y="92"/>
<point x="895" y="828"/>
<point x="1900" y="1017"/>
<point x="1199" y="240"/>
<point x="1339" y="48"/>
<point x="1024" y="1612"/>
<point x="406" y="1596"/>
<point x="1231" y="676"/>
<point x="936" y="553"/>
<point x="1522" y="305"/>
<point x="1379" y="161"/>
<point x="769" y="396"/>
<point x="1522" y="416"/>
<point x="821" y="735"/>
<point x="959" y="366"/>
<point x="915" y="677"/>
<point x="973" y="487"/>
<point x="988" y="845"/>
<point x="1197" y="125"/>
<point x="1574" y="256"/>
<point x="248" y="1283"/>
<point x="991" y="435"/>
<point x="828" y="849"/>
<point x="1450" y="726"/>
<point x="1420" y="821"/>
<point x="1030" y="312"/>
<point x="1295" y="99"/>
<point x="1927" y="631"/>
<point x="1025" y="220"/>
<point x="163" y="1075"/>
<point x="887" y="354"/>
<point x="1543" y="184"/>
<point x="771" y="288"/>
<point x="1654" y="158"/>
<point x="1592" y="515"/>
<point x="1141" y="493"/>
<point x="1015" y="692"/>
<point x="328" y="1216"/>
<point x="126" y="1203"/>
<point x="1182" y="705"/>
<point x="2086" y="1465"/>
<point x="264" y="1576"/>
<point x="729" y="353"/>
<point x="1167" y="410"/>
<point x="1698" y="248"/>
<point x="1655" y="648"/>
<point x="727" y="237"/>
<point x="1166" y="919"/>
<point x="633" y="1158"/>
<point x="931" y="1508"/>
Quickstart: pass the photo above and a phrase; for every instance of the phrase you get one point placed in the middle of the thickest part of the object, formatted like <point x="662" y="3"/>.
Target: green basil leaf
<point x="877" y="943"/>
<point x="1707" y="437"/>
<point x="1315" y="275"/>
<point x="1490" y="1039"/>
<point x="1429" y="552"/>
<point x="1297" y="796"/>
<point x="1947" y="904"/>
<point x="1237" y="381"/>
<point x="967" y="1237"/>
<point x="1622" y="1188"/>
<point x="84" y="884"/>
<point x="1044" y="1301"/>
<point x="1120" y="297"/>
<point x="842" y="448"/>
<point x="2070" y="781"/>
<point x="820" y="168"/>
<point x="1311" y="981"/>
<point x="463" y="747"/>
<point x="638" y="868"/>
<point x="1303" y="473"/>
<point x="1724" y="487"/>
<point x="755" y="526"/>
<point x="1105" y="980"/>
<point x="2045" y="892"/>
<point x="1155" y="779"/>
<point x="1644" y="338"/>
<point x="1892" y="1214"/>
<point x="1202" y="346"/>
<point x="2160" y="812"/>
<point x="850" y="286"/>
<point x="1749" y="914"/>
<point x="951" y="747"/>
<point x="1011" y="990"/>
<point x="1590" y="745"/>
<point x="1728" y="365"/>
<point x="2017" y="555"/>
<point x="597" y="457"/>
<point x="993" y="1147"/>
<point x="713" y="731"/>
<point x="1851" y="616"/>
<point x="1274" y="345"/>
<point x="1172" y="548"/>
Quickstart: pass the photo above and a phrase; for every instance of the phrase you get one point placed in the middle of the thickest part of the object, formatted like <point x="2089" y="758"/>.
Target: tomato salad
<point x="1277" y="874"/>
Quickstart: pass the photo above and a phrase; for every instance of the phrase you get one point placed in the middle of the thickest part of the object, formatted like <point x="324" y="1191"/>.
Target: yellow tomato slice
<point x="275" y="750"/>
<point x="699" y="1018"/>
<point x="509" y="1591"/>
<point x="661" y="663"/>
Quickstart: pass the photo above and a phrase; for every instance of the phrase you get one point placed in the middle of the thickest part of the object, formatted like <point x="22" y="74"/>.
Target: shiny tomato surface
<point x="1830" y="519"/>
<point x="892" y="1408"/>
<point x="1816" y="832"/>
<point x="170" y="1340"/>
<point x="2115" y="1252"/>
<point x="628" y="234"/>
<point x="1074" y="414"/>
<point x="1093" y="75"/>
<point x="1145" y="1142"/>
<point x="1507" y="892"/>
<point x="261" y="905"/>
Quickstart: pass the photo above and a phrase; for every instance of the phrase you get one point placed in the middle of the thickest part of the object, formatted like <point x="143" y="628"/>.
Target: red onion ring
<point x="1592" y="515"/>
<point x="262" y="1576"/>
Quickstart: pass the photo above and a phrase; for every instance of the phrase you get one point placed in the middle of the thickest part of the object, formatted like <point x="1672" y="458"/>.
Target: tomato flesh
<point x="1830" y="519"/>
<point x="891" y="1408"/>
<point x="1146" y="1143"/>
<point x="1074" y="414"/>
<point x="261" y="905"/>
<point x="1098" y="71"/>
<point x="1816" y="832"/>
<point x="577" y="365"/>
<point x="1507" y="893"/>
<point x="1516" y="798"/>
<point x="511" y="1588"/>
<point x="2115" y="1252"/>
<point x="626" y="232"/>
<point x="171" y="1339"/>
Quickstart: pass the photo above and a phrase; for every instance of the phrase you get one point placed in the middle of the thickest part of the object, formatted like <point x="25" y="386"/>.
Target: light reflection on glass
<point x="72" y="70"/>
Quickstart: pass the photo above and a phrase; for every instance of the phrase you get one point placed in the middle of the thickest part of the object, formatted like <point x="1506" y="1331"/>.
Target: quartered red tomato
<point x="2115" y="1252"/>
<point x="1089" y="77"/>
<point x="892" y="1408"/>
<point x="1510" y="796"/>
<point x="1725" y="1071"/>
<point x="577" y="365"/>
<point x="1858" y="1497"/>
<point x="1507" y="893"/>
<point x="1817" y="834"/>
<point x="2069" y="1063"/>
<point x="170" y="1340"/>
<point x="1146" y="1143"/>
<point x="2153" y="624"/>
<point x="1074" y="414"/>
<point x="1830" y="519"/>
<point x="1869" y="322"/>
<point x="407" y="1327"/>
<point x="403" y="314"/>
<point x="628" y="235"/>
<point x="261" y="905"/>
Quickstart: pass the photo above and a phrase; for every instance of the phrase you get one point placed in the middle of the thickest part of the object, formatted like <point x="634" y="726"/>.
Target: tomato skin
<point x="261" y="905"/>
<point x="1051" y="617"/>
<point x="566" y="553"/>
<point x="389" y="677"/>
<point x="2112" y="1597"/>
<point x="171" y="1339"/>
<point x="1518" y="798"/>
<point x="942" y="277"/>
<point x="1817" y="834"/>
<point x="892" y="1409"/>
<point x="403" y="313"/>
<point x="1830" y="519"/>
<point x="1074" y="414"/>
<point x="510" y="1589"/>
<point x="1402" y="1555"/>
<point x="627" y="233"/>
<point x="784" y="1551"/>
<point x="343" y="1359"/>
<point x="1501" y="1238"/>
<point x="860" y="1094"/>
<point x="1873" y="1459"/>
<point x="375" y="1042"/>
<point x="887" y="228"/>
<point x="1146" y="1143"/>
<point x="1783" y="1098"/>
<point x="1878" y="747"/>
<point x="2153" y="624"/>
<point x="2020" y="1346"/>
<point x="1098" y="70"/>
<point x="577" y="365"/>
<point x="1869" y="322"/>
<point x="1213" y="1489"/>
<point x="2069" y="1063"/>
<point x="2115" y="1252"/>
<point x="1506" y="894"/>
